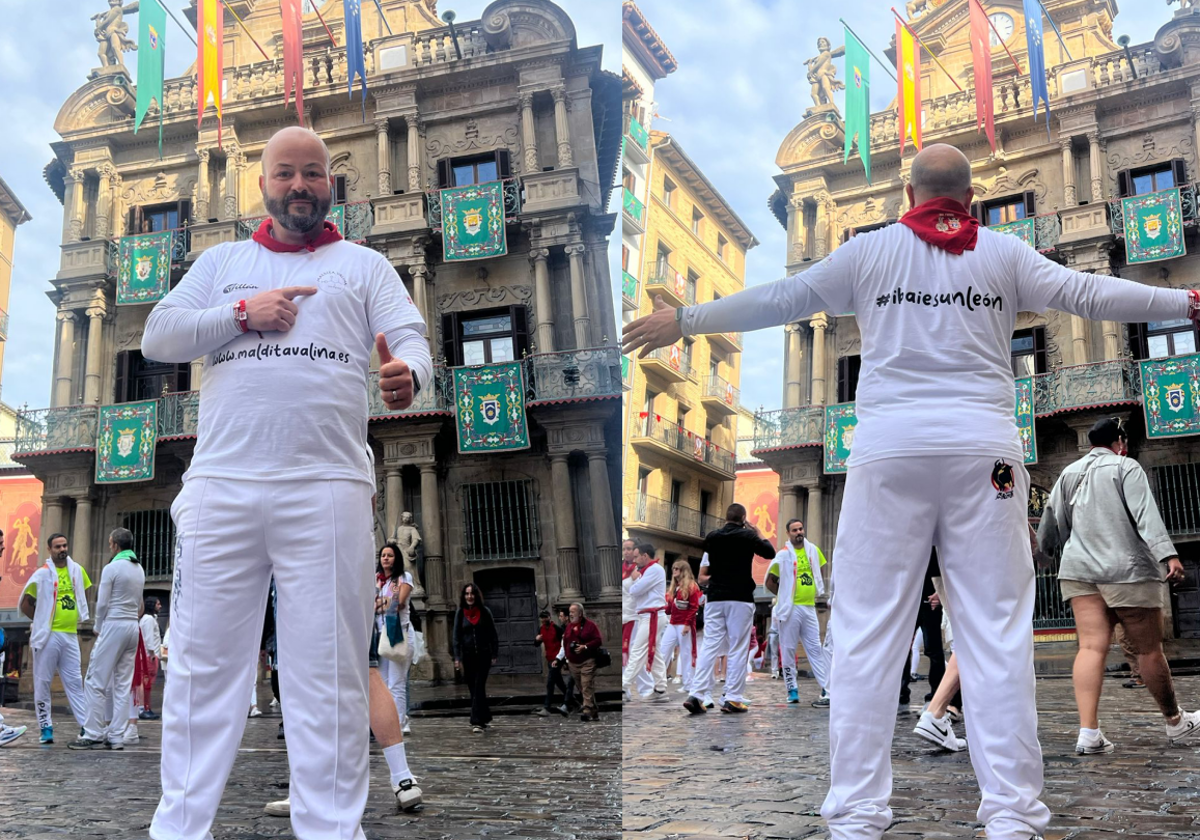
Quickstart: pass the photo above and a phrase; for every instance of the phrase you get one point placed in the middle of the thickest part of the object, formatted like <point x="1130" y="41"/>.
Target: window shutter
<point x="1039" y="350"/>
<point x="624" y="257"/>
<point x="450" y="346"/>
<point x="847" y="378"/>
<point x="1179" y="170"/>
<point x="978" y="213"/>
<point x="1030" y="205"/>
<point x="503" y="164"/>
<point x="182" y="380"/>
<point x="135" y="220"/>
<point x="1139" y="346"/>
<point x="1124" y="183"/>
<point x="520" y="322"/>
<point x="444" y="174"/>
<point x="121" y="384"/>
<point x="339" y="189"/>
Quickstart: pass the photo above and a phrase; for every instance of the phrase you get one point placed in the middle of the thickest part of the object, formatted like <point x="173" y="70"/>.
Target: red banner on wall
<point x="21" y="519"/>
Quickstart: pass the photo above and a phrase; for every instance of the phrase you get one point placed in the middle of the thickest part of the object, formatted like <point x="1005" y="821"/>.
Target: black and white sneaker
<point x="1187" y="728"/>
<point x="1096" y="745"/>
<point x="408" y="795"/>
<point x="940" y="732"/>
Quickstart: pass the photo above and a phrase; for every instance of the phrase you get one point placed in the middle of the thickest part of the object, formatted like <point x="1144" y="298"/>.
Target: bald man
<point x="280" y="483"/>
<point x="936" y="460"/>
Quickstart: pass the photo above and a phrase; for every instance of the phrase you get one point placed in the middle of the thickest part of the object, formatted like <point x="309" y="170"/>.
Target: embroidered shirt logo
<point x="233" y="287"/>
<point x="946" y="223"/>
<point x="1003" y="480"/>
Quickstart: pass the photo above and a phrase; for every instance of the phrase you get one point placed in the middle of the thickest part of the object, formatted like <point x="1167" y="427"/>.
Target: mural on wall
<point x="758" y="490"/>
<point x="21" y="519"/>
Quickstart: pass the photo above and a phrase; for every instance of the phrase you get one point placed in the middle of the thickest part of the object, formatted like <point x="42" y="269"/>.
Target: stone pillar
<point x="392" y="492"/>
<point x="605" y="525"/>
<point x="420" y="276"/>
<point x="529" y="134"/>
<point x="230" y="209"/>
<point x="579" y="296"/>
<point x="564" y="529"/>
<point x="541" y="292"/>
<point x="788" y="505"/>
<point x="104" y="200"/>
<point x="66" y="358"/>
<point x="1068" y="164"/>
<point x="821" y="228"/>
<point x="91" y="380"/>
<point x="384" y="150"/>
<point x="819" y="323"/>
<point x="1079" y="353"/>
<point x="1097" y="165"/>
<point x="72" y="198"/>
<point x="431" y="533"/>
<point x="814" y="515"/>
<point x="201" y="211"/>
<point x="795" y="211"/>
<point x="81" y="539"/>
<point x="1112" y="339"/>
<point x="52" y="520"/>
<point x="414" y="153"/>
<point x="793" y="355"/>
<point x="196" y="374"/>
<point x="561" y="129"/>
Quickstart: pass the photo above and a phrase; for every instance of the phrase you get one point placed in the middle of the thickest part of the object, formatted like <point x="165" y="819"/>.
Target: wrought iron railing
<point x="512" y="204"/>
<point x="629" y="288"/>
<point x="435" y="396"/>
<point x="637" y="133"/>
<point x="246" y="226"/>
<point x="359" y="219"/>
<point x="675" y="360"/>
<point x="802" y="426"/>
<point x="178" y="414"/>
<point x="1092" y="385"/>
<point x="56" y="429"/>
<point x="1189" y="212"/>
<point x="1177" y="491"/>
<point x="633" y="207"/>
<point x="1047" y="230"/>
<point x="665" y="274"/>
<point x="1050" y="611"/>
<point x="655" y="427"/>
<point x="7" y="448"/>
<point x="574" y="374"/>
<point x="3" y="325"/>
<point x="717" y="386"/>
<point x="668" y="516"/>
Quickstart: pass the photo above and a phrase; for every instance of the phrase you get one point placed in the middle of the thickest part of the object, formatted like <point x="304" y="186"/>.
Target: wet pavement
<point x="764" y="774"/>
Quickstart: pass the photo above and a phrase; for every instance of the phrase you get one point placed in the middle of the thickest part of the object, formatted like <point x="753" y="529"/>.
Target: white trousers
<point x="395" y="677"/>
<point x="639" y="653"/>
<point x="109" y="683"/>
<point x="727" y="626"/>
<point x="892" y="511"/>
<point x="678" y="637"/>
<point x="803" y="627"/>
<point x="231" y="536"/>
<point x="59" y="656"/>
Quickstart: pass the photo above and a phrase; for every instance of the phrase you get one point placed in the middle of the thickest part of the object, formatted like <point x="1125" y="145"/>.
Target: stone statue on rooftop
<point x="111" y="32"/>
<point x="822" y="74"/>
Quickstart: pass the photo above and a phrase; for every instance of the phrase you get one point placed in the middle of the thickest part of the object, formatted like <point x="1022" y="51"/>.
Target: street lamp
<point x="449" y="17"/>
<point x="1123" y="41"/>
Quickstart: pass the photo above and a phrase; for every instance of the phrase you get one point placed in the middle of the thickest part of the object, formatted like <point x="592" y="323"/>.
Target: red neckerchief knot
<point x="943" y="223"/>
<point x="328" y="235"/>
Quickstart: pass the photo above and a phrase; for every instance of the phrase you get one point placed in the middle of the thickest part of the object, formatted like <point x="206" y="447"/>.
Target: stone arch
<point x="98" y="104"/>
<point x="807" y="141"/>
<point x="524" y="23"/>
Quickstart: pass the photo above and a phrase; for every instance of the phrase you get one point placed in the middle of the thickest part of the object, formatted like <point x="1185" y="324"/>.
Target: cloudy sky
<point x="46" y="52"/>
<point x="740" y="88"/>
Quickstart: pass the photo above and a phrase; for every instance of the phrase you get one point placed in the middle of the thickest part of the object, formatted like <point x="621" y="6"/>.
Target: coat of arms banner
<point x="125" y="443"/>
<point x="144" y="267"/>
<point x="1025" y="421"/>
<point x="840" y="422"/>
<point x="1153" y="227"/>
<point x="1171" y="396"/>
<point x="473" y="222"/>
<point x="489" y="403"/>
<point x="1023" y="229"/>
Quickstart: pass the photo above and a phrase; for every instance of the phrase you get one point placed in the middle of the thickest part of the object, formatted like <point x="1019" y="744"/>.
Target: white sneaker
<point x="8" y="734"/>
<point x="254" y="712"/>
<point x="281" y="808"/>
<point x="659" y="696"/>
<point x="677" y="680"/>
<point x="407" y="729"/>
<point x="131" y="735"/>
<point x="1095" y="746"/>
<point x="1188" y="727"/>
<point x="274" y="703"/>
<point x="408" y="795"/>
<point x="940" y="732"/>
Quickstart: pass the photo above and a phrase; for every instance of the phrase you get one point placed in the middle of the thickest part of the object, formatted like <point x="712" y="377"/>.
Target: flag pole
<point x="383" y="17"/>
<point x="922" y="44"/>
<point x="1054" y="26"/>
<point x="882" y="64"/>
<point x="229" y="9"/>
<point x="998" y="37"/>
<point x="326" y="25"/>
<point x="186" y="31"/>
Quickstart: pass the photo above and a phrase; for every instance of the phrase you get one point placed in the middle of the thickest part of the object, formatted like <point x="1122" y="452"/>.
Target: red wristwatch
<point x="239" y="315"/>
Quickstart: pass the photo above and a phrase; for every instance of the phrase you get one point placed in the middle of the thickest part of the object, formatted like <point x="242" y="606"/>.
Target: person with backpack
<point x="581" y="644"/>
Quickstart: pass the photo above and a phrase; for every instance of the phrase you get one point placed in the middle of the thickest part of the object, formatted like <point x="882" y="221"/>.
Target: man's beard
<point x="298" y="222"/>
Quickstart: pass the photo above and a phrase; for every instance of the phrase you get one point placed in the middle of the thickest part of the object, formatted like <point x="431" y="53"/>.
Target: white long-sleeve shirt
<point x="649" y="590"/>
<point x="151" y="636"/>
<point x="936" y="374"/>
<point x="287" y="405"/>
<point x="120" y="595"/>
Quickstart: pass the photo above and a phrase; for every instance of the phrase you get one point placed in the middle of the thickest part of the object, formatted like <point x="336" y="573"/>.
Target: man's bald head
<point x="296" y="184"/>
<point x="940" y="170"/>
<point x="293" y="139"/>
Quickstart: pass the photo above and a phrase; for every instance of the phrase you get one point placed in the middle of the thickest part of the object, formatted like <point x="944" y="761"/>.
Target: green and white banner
<point x="473" y="222"/>
<point x="144" y="267"/>
<point x="1153" y="227"/>
<point x="1171" y="396"/>
<point x="337" y="215"/>
<point x="1025" y="419"/>
<point x="125" y="442"/>
<point x="489" y="403"/>
<point x="1023" y="229"/>
<point x="840" y="422"/>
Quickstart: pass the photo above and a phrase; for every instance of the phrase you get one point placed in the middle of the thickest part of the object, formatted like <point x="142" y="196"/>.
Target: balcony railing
<point x="357" y="221"/>
<point x="787" y="427"/>
<point x="673" y="358"/>
<point x="3" y="325"/>
<point x="7" y="447"/>
<point x="664" y="274"/>
<point x="629" y="289"/>
<point x="717" y="386"/>
<point x="574" y="374"/>
<point x="638" y="134"/>
<point x="512" y="203"/>
<point x="56" y="429"/>
<point x="1094" y="385"/>
<point x="658" y="513"/>
<point x="626" y="372"/>
<point x="1189" y="213"/>
<point x="178" y="414"/>
<point x="688" y="443"/>
<point x="633" y="207"/>
<point x="435" y="397"/>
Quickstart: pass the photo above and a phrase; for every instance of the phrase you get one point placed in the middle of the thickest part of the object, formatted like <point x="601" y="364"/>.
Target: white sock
<point x="397" y="763"/>
<point x="1090" y="734"/>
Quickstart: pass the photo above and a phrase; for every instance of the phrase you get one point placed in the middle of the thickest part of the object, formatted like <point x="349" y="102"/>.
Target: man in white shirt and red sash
<point x="937" y="461"/>
<point x="647" y="596"/>
<point x="281" y="483"/>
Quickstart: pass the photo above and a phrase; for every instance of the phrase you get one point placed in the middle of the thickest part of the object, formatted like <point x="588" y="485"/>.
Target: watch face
<point x="1004" y="25"/>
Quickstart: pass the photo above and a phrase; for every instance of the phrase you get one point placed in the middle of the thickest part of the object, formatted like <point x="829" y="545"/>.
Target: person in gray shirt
<point x="118" y="608"/>
<point x="1103" y="518"/>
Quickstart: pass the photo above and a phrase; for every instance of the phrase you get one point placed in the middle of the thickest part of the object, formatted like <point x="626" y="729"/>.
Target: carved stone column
<point x="392" y="492"/>
<point x="384" y="150"/>
<point x="66" y="358"/>
<point x="821" y="229"/>
<point x="793" y="357"/>
<point x="1079" y="330"/>
<point x="561" y="129"/>
<point x="431" y="532"/>
<point x="73" y="204"/>
<point x="52" y="518"/>
<point x="819" y="323"/>
<point x="1097" y="165"/>
<point x="1112" y="339"/>
<point x="414" y="152"/>
<point x="232" y="167"/>
<point x="104" y="200"/>
<point x="814" y="514"/>
<point x="81" y="539"/>
<point x="93" y="361"/>
<point x="1068" y="164"/>
<point x="605" y="525"/>
<point x="420" y="274"/>
<point x="579" y="296"/>
<point x="529" y="134"/>
<point x="541" y="291"/>
<point x="564" y="529"/>
<point x="201" y="211"/>
<point x="795" y="211"/>
<point x="789" y="503"/>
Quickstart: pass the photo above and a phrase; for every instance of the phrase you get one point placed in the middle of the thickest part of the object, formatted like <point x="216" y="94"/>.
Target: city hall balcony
<point x="44" y="431"/>
<point x="789" y="428"/>
<point x="590" y="373"/>
<point x="1114" y="382"/>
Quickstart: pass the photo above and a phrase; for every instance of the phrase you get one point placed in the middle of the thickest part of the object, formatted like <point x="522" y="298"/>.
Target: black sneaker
<point x="280" y="736"/>
<point x="87" y="744"/>
<point x="694" y="706"/>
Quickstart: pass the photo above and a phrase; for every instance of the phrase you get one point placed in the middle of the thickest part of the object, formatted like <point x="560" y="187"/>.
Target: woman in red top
<point x="683" y="602"/>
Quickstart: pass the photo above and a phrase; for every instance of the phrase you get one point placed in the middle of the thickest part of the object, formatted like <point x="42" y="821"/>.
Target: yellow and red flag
<point x="210" y="55"/>
<point x="908" y="60"/>
<point x="293" y="54"/>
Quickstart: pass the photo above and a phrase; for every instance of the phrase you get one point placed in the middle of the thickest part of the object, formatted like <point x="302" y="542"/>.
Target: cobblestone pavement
<point x="528" y="777"/>
<point x="725" y="780"/>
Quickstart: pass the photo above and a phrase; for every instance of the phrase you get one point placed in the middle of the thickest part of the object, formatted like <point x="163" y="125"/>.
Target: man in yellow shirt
<point x="56" y="602"/>
<point x="795" y="577"/>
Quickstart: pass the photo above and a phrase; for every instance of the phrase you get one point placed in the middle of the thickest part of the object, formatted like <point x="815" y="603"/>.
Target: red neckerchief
<point x="627" y="569"/>
<point x="943" y="223"/>
<point x="329" y="234"/>
<point x="472" y="614"/>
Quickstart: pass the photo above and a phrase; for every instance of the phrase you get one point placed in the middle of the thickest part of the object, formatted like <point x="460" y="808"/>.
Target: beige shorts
<point x="1144" y="594"/>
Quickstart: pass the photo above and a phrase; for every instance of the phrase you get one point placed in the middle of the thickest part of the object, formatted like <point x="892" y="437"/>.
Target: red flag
<point x="293" y="54"/>
<point x="981" y="54"/>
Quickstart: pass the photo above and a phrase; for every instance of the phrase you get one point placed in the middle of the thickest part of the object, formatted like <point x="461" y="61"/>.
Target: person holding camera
<point x="581" y="643"/>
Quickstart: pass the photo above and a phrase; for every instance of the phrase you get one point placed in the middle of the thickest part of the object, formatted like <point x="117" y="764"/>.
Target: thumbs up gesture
<point x="395" y="379"/>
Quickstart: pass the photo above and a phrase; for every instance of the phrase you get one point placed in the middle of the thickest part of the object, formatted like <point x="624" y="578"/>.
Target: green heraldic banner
<point x="125" y="444"/>
<point x="473" y="222"/>
<point x="144" y="272"/>
<point x="1023" y="229"/>
<point x="490" y="408"/>
<point x="1025" y="422"/>
<point x="840" y="422"/>
<point x="1153" y="227"/>
<point x="1171" y="396"/>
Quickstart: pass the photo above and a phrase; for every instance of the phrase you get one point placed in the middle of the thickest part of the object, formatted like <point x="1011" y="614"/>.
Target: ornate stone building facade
<point x="1124" y="122"/>
<point x="511" y="97"/>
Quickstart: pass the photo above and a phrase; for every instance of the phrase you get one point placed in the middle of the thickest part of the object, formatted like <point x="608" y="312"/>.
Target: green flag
<point x="858" y="101"/>
<point x="152" y="27"/>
